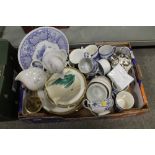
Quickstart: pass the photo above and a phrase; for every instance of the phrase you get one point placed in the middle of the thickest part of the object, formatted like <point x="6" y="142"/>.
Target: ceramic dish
<point x="68" y="91"/>
<point x="35" y="43"/>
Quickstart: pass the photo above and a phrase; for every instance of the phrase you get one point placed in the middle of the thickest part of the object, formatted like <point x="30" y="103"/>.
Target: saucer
<point x="35" y="43"/>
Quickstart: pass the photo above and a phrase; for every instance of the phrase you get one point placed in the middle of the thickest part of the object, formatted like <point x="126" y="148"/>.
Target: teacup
<point x="104" y="66"/>
<point x="92" y="50"/>
<point x="88" y="66"/>
<point x="76" y="56"/>
<point x="99" y="108"/>
<point x="124" y="101"/>
<point x="106" y="51"/>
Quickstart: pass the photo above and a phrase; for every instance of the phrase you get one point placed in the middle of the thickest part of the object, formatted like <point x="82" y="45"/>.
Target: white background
<point x="77" y="13"/>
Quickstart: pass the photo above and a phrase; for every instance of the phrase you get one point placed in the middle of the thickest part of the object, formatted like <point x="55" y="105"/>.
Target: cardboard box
<point x="138" y="91"/>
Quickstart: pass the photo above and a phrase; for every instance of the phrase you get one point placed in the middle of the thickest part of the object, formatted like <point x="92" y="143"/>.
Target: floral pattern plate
<point x="35" y="43"/>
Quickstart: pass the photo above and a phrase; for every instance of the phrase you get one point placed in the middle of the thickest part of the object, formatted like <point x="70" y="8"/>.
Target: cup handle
<point x="37" y="61"/>
<point x="87" y="55"/>
<point x="85" y="103"/>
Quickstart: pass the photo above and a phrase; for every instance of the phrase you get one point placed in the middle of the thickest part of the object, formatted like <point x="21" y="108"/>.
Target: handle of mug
<point x="86" y="103"/>
<point x="87" y="55"/>
<point x="39" y="62"/>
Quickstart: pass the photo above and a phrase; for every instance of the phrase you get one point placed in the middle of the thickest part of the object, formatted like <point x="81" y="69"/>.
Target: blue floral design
<point x="41" y="34"/>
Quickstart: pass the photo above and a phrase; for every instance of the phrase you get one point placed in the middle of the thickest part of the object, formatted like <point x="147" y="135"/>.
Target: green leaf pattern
<point x="66" y="81"/>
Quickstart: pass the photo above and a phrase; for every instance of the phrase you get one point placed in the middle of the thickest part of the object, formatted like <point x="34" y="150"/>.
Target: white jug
<point x="33" y="78"/>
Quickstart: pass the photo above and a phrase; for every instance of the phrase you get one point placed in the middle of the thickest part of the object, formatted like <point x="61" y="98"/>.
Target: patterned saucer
<point x="35" y="43"/>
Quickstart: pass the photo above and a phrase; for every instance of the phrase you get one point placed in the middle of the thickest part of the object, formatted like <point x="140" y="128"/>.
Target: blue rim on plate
<point x="43" y="35"/>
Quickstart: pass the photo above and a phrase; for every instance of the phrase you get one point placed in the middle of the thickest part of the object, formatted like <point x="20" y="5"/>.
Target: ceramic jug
<point x="33" y="78"/>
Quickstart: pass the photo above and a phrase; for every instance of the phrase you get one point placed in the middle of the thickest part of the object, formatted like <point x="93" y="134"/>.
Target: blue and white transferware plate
<point x="35" y="43"/>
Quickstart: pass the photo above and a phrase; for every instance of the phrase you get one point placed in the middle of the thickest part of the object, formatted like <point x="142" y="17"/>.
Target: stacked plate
<point x="63" y="96"/>
<point x="102" y="82"/>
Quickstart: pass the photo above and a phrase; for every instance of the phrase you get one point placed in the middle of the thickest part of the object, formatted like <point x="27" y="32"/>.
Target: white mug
<point x="104" y="66"/>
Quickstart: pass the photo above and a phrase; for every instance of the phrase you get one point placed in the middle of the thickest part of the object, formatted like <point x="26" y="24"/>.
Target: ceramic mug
<point x="92" y="50"/>
<point x="104" y="66"/>
<point x="124" y="100"/>
<point x="106" y="51"/>
<point x="99" y="108"/>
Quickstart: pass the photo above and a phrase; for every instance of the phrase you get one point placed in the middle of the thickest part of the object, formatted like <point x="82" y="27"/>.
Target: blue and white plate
<point x="35" y="43"/>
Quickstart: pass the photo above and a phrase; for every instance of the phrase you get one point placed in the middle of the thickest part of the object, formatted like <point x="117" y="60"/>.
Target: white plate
<point x="35" y="43"/>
